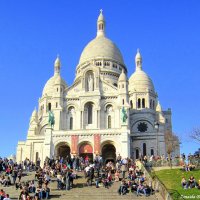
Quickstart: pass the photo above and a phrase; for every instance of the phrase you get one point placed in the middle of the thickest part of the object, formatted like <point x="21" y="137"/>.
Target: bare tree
<point x="195" y="135"/>
<point x="172" y="143"/>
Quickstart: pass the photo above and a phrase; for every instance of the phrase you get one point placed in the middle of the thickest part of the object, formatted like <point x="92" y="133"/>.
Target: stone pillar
<point x="125" y="144"/>
<point x="81" y="119"/>
<point x="48" y="146"/>
<point x="28" y="150"/>
<point x="19" y="152"/>
<point x="147" y="100"/>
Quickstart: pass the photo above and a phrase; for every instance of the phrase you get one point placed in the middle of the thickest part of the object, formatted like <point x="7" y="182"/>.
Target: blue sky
<point x="32" y="33"/>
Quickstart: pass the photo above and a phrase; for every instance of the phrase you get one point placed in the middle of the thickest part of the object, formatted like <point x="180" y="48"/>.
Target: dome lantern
<point x="138" y="60"/>
<point x="101" y="24"/>
<point x="57" y="65"/>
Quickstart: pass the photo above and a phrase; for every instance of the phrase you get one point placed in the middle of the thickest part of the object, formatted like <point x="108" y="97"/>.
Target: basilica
<point x="103" y="112"/>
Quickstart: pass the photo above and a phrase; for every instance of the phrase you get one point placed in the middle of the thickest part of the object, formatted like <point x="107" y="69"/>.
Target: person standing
<point x="67" y="177"/>
<point x="123" y="169"/>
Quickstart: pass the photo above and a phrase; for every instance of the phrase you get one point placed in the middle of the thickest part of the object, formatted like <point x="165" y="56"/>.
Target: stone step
<point x="80" y="191"/>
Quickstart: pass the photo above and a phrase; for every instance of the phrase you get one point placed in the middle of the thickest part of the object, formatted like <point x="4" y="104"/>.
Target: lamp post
<point x="156" y="125"/>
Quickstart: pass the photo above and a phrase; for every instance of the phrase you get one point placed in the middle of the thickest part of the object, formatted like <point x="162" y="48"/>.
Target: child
<point x="117" y="176"/>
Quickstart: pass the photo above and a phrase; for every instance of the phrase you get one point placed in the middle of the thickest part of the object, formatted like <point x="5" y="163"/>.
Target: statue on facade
<point x="90" y="83"/>
<point x="51" y="120"/>
<point x="124" y="115"/>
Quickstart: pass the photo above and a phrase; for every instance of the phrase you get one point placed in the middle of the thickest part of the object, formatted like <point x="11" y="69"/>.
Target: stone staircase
<point x="81" y="191"/>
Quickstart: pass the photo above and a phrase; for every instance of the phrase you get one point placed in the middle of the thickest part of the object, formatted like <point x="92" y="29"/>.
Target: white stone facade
<point x="92" y="108"/>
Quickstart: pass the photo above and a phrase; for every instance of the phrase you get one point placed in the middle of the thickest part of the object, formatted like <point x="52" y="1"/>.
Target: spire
<point x="57" y="65"/>
<point x="101" y="24"/>
<point x="158" y="107"/>
<point x="138" y="60"/>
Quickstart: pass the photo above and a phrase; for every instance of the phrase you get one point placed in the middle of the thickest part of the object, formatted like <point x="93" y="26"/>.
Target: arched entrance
<point x="86" y="150"/>
<point x="108" y="153"/>
<point x="62" y="150"/>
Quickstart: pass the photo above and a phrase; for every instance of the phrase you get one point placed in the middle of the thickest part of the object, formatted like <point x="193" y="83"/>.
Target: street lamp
<point x="156" y="126"/>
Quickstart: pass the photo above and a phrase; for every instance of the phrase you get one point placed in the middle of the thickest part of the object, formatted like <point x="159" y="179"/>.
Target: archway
<point x="108" y="153"/>
<point x="86" y="151"/>
<point x="62" y="150"/>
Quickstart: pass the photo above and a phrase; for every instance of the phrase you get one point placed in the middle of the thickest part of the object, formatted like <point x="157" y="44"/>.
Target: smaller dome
<point x="122" y="77"/>
<point x="49" y="86"/>
<point x="140" y="81"/>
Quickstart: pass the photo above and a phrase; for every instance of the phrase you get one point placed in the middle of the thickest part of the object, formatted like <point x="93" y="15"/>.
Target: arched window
<point x="131" y="103"/>
<point x="143" y="103"/>
<point x="109" y="121"/>
<point x="90" y="111"/>
<point x="153" y="106"/>
<point x="56" y="104"/>
<point x="71" y="123"/>
<point x="152" y="152"/>
<point x="100" y="26"/>
<point x="139" y="103"/>
<point x="137" y="153"/>
<point x="144" y="149"/>
<point x="49" y="106"/>
<point x="123" y="101"/>
<point x="122" y="85"/>
<point x="151" y="103"/>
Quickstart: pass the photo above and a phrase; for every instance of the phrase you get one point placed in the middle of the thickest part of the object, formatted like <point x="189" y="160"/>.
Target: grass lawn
<point x="171" y="178"/>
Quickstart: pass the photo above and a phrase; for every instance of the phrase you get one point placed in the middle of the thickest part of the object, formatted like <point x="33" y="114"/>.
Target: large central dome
<point x="101" y="47"/>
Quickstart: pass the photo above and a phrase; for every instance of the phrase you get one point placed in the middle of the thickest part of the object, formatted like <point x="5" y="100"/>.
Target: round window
<point x="142" y="127"/>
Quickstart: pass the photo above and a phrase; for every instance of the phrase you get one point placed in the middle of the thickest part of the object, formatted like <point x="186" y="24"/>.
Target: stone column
<point x="48" y="146"/>
<point x="125" y="144"/>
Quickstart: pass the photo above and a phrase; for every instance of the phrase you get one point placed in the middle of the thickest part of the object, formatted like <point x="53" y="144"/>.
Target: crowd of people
<point x="10" y="173"/>
<point x="64" y="171"/>
<point x="135" y="181"/>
